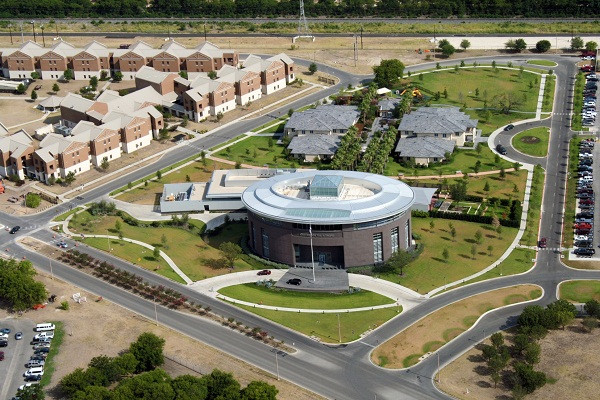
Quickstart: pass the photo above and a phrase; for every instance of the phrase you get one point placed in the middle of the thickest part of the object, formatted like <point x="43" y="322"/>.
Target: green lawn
<point x="430" y="270"/>
<point x="464" y="160"/>
<point x="276" y="128"/>
<point x="500" y="188"/>
<point x="517" y="262"/>
<point x="197" y="259"/>
<point x="150" y="194"/>
<point x="535" y="208"/>
<point x="244" y="152"/>
<point x="548" y="102"/>
<point x="580" y="291"/>
<point x="64" y="216"/>
<point x="286" y="298"/>
<point x="578" y="102"/>
<point x="533" y="142"/>
<point x="50" y="365"/>
<point x="463" y="84"/>
<point x="238" y="137"/>
<point x="495" y="119"/>
<point x="545" y="63"/>
<point x="325" y="326"/>
<point x="135" y="254"/>
<point x="268" y="124"/>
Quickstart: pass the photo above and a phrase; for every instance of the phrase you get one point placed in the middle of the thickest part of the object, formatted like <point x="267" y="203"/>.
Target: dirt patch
<point x="404" y="349"/>
<point x="91" y="328"/>
<point x="569" y="356"/>
<point x="530" y="139"/>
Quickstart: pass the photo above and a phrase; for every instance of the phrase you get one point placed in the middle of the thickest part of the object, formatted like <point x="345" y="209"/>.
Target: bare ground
<point x="97" y="328"/>
<point x="569" y="356"/>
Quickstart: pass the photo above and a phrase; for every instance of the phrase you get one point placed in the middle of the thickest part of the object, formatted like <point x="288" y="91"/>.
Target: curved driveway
<point x="505" y="138"/>
<point x="343" y="372"/>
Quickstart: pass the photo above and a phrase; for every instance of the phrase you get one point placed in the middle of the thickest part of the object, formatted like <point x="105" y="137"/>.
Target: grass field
<point x="464" y="160"/>
<point x="238" y="137"/>
<point x="533" y="142"/>
<point x="253" y="293"/>
<point x="517" y="262"/>
<point x="430" y="270"/>
<point x="580" y="291"/>
<point x="535" y="208"/>
<point x="256" y="151"/>
<point x="150" y="194"/>
<point x="197" y="259"/>
<point x="50" y="365"/>
<point x="548" y="102"/>
<point x="496" y="119"/>
<point x="578" y="102"/>
<point x="135" y="254"/>
<point x="325" y="326"/>
<point x="475" y="87"/>
<point x="500" y="188"/>
<point x="64" y="216"/>
<point x="545" y="63"/>
<point x="435" y="330"/>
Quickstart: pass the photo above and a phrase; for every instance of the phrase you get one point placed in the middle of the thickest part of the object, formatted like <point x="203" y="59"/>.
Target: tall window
<point x="265" y="243"/>
<point x="395" y="241"/>
<point x="407" y="234"/>
<point x="378" y="248"/>
<point x="253" y="236"/>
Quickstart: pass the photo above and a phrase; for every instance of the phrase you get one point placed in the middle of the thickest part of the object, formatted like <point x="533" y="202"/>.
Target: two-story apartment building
<point x="15" y="154"/>
<point x="247" y="83"/>
<point x="272" y="73"/>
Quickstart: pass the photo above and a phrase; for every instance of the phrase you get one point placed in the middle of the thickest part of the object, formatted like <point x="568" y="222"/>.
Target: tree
<point x="490" y="250"/>
<point x="103" y="75"/>
<point x="93" y="393"/>
<point x="164" y="134"/>
<point x="158" y="175"/>
<point x="477" y="166"/>
<point x="212" y="75"/>
<point x="478" y="237"/>
<point x="532" y="353"/>
<point x="74" y="382"/>
<point x="118" y="76"/>
<point x="576" y="43"/>
<point x="312" y="68"/>
<point x="465" y="44"/>
<point x="94" y="82"/>
<point x="502" y="173"/>
<point x="458" y="191"/>
<point x="473" y="251"/>
<point x="183" y="74"/>
<point x="21" y="88"/>
<point x="529" y="379"/>
<point x="231" y="252"/>
<point x="453" y="233"/>
<point x="543" y="46"/>
<point x="104" y="164"/>
<point x="33" y="200"/>
<point x="222" y="385"/>
<point x="486" y="187"/>
<point x="118" y="226"/>
<point x="590" y="323"/>
<point x="396" y="263"/>
<point x="446" y="255"/>
<point x="163" y="240"/>
<point x="34" y="95"/>
<point x="520" y="342"/>
<point x="592" y="308"/>
<point x="564" y="318"/>
<point x="33" y="392"/>
<point x="35" y="75"/>
<point x="591" y="46"/>
<point x="431" y="224"/>
<point x="68" y="75"/>
<point x="448" y="50"/>
<point x="258" y="390"/>
<point x="219" y="116"/>
<point x="270" y="142"/>
<point x="70" y="178"/>
<point x="55" y="88"/>
<point x="189" y="387"/>
<point x="148" y="351"/>
<point x="388" y="72"/>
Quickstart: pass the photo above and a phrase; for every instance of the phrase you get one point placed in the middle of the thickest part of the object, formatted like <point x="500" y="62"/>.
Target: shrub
<point x="33" y="200"/>
<point x="64" y="305"/>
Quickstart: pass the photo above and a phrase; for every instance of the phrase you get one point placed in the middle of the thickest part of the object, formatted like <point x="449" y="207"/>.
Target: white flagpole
<point x="312" y="254"/>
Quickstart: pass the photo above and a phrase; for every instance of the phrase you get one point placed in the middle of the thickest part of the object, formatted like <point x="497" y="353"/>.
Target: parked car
<point x="508" y="127"/>
<point x="42" y="350"/>
<point x="33" y="378"/>
<point x="5" y="331"/>
<point x="18" y="335"/>
<point x="584" y="243"/>
<point x="584" y="252"/>
<point x="542" y="244"/>
<point x="35" y="363"/>
<point x="3" y="343"/>
<point x="264" y="272"/>
<point x="294" y="281"/>
<point x="41" y="346"/>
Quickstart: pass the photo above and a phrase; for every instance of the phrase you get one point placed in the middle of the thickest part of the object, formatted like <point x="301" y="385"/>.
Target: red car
<point x="264" y="272"/>
<point x="583" y="225"/>
<point x="542" y="243"/>
<point x="587" y="202"/>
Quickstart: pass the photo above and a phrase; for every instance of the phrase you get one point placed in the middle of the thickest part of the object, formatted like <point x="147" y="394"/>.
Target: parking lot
<point x="16" y="354"/>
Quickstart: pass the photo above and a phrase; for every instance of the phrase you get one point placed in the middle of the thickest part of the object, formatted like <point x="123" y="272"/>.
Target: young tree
<point x="21" y="88"/>
<point x="465" y="44"/>
<point x="231" y="252"/>
<point x="486" y="187"/>
<point x="473" y="251"/>
<point x="103" y="75"/>
<point x="158" y="175"/>
<point x="68" y="75"/>
<point x="156" y="253"/>
<point x="270" y="143"/>
<point x="576" y="43"/>
<point x="312" y="68"/>
<point x="431" y="225"/>
<point x="33" y="200"/>
<point x="183" y="74"/>
<point x="591" y="46"/>
<point x="543" y="46"/>
<point x="34" y="95"/>
<point x="148" y="351"/>
<point x="118" y="225"/>
<point x="94" y="82"/>
<point x="448" y="50"/>
<point x="478" y="237"/>
<point x="502" y="173"/>
<point x="118" y="76"/>
<point x="164" y="135"/>
<point x="104" y="164"/>
<point x="490" y="250"/>
<point x="446" y="255"/>
<point x="55" y="88"/>
<point x="388" y="72"/>
<point x="477" y="166"/>
<point x="70" y="178"/>
<point x="212" y="75"/>
<point x="163" y="240"/>
<point x="453" y="233"/>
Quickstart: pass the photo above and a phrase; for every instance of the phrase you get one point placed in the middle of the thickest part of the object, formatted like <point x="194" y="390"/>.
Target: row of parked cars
<point x="584" y="219"/>
<point x="588" y="113"/>
<point x="41" y="347"/>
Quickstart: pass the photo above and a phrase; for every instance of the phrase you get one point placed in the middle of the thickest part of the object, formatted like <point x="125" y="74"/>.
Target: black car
<point x="584" y="243"/>
<point x="15" y="229"/>
<point x="508" y="127"/>
<point x="585" y="215"/>
<point x="294" y="281"/>
<point x="33" y="378"/>
<point x="42" y="350"/>
<point x="585" y="252"/>
<point x="501" y="149"/>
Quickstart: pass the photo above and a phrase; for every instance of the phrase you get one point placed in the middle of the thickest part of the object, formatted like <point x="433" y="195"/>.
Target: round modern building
<point x="348" y="218"/>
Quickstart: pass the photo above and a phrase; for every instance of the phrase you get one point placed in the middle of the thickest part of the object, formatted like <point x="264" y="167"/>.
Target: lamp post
<point x="33" y="27"/>
<point x="43" y="38"/>
<point x="10" y="32"/>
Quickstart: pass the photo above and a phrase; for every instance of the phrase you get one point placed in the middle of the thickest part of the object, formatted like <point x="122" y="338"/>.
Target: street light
<point x="10" y="32"/>
<point x="33" y="26"/>
<point x="43" y="38"/>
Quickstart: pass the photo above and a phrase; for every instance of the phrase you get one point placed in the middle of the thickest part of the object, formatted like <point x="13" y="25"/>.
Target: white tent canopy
<point x="383" y="91"/>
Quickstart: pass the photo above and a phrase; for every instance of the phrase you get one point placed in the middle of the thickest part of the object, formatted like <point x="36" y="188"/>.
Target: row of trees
<point x="254" y="8"/>
<point x="377" y="153"/>
<point x="542" y="46"/>
<point x="136" y="376"/>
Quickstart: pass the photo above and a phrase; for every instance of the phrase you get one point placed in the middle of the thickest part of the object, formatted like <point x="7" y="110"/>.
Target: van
<point x="44" y="335"/>
<point x="35" y="363"/>
<point x="34" y="371"/>
<point x="44" y="327"/>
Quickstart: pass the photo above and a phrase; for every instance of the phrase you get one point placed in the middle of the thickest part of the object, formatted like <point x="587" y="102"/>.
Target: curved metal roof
<point x="390" y="198"/>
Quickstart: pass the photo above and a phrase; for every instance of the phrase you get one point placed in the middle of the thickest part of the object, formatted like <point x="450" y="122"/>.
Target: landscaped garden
<point x="325" y="326"/>
<point x="545" y="63"/>
<point x="258" y="150"/>
<point x="271" y="296"/>
<point x="580" y="291"/>
<point x="533" y="142"/>
<point x="196" y="258"/>
<point x="435" y="330"/>
<point x="462" y="160"/>
<point x="469" y="247"/>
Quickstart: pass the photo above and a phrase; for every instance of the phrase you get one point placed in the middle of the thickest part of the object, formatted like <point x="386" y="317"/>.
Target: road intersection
<point x="342" y="372"/>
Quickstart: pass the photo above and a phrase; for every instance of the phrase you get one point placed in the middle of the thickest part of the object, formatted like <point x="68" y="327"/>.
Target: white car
<point x="26" y="385"/>
<point x="581" y="237"/>
<point x="44" y="335"/>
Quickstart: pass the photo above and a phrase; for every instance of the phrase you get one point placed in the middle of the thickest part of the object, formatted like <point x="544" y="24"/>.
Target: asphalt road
<point x="344" y="372"/>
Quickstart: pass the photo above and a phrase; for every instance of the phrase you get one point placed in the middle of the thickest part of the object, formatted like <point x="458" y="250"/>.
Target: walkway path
<point x="540" y="102"/>
<point x="174" y="266"/>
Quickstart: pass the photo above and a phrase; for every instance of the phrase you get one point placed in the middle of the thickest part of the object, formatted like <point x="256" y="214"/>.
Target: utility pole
<point x="33" y="26"/>
<point x="43" y="38"/>
<point x="10" y="32"/>
<point x="361" y="37"/>
<point x="205" y="31"/>
<point x="22" y="35"/>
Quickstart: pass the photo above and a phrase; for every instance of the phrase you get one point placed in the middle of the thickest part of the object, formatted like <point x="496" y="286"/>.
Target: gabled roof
<point x="388" y="103"/>
<point x="176" y="49"/>
<point x="51" y="102"/>
<point x="230" y="74"/>
<point x="324" y="145"/>
<point x="323" y="118"/>
<point x="424" y="147"/>
<point x="76" y="102"/>
<point x="152" y="75"/>
<point x="250" y="60"/>
<point x="57" y="144"/>
<point x="16" y="143"/>
<point x="282" y="57"/>
<point x="211" y="50"/>
<point x="437" y="120"/>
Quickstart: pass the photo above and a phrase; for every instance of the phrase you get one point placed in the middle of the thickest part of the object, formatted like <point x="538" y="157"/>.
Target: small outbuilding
<point x="50" y="104"/>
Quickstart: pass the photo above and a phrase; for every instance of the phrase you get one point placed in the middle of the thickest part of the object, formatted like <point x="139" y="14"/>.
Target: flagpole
<point x="312" y="254"/>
